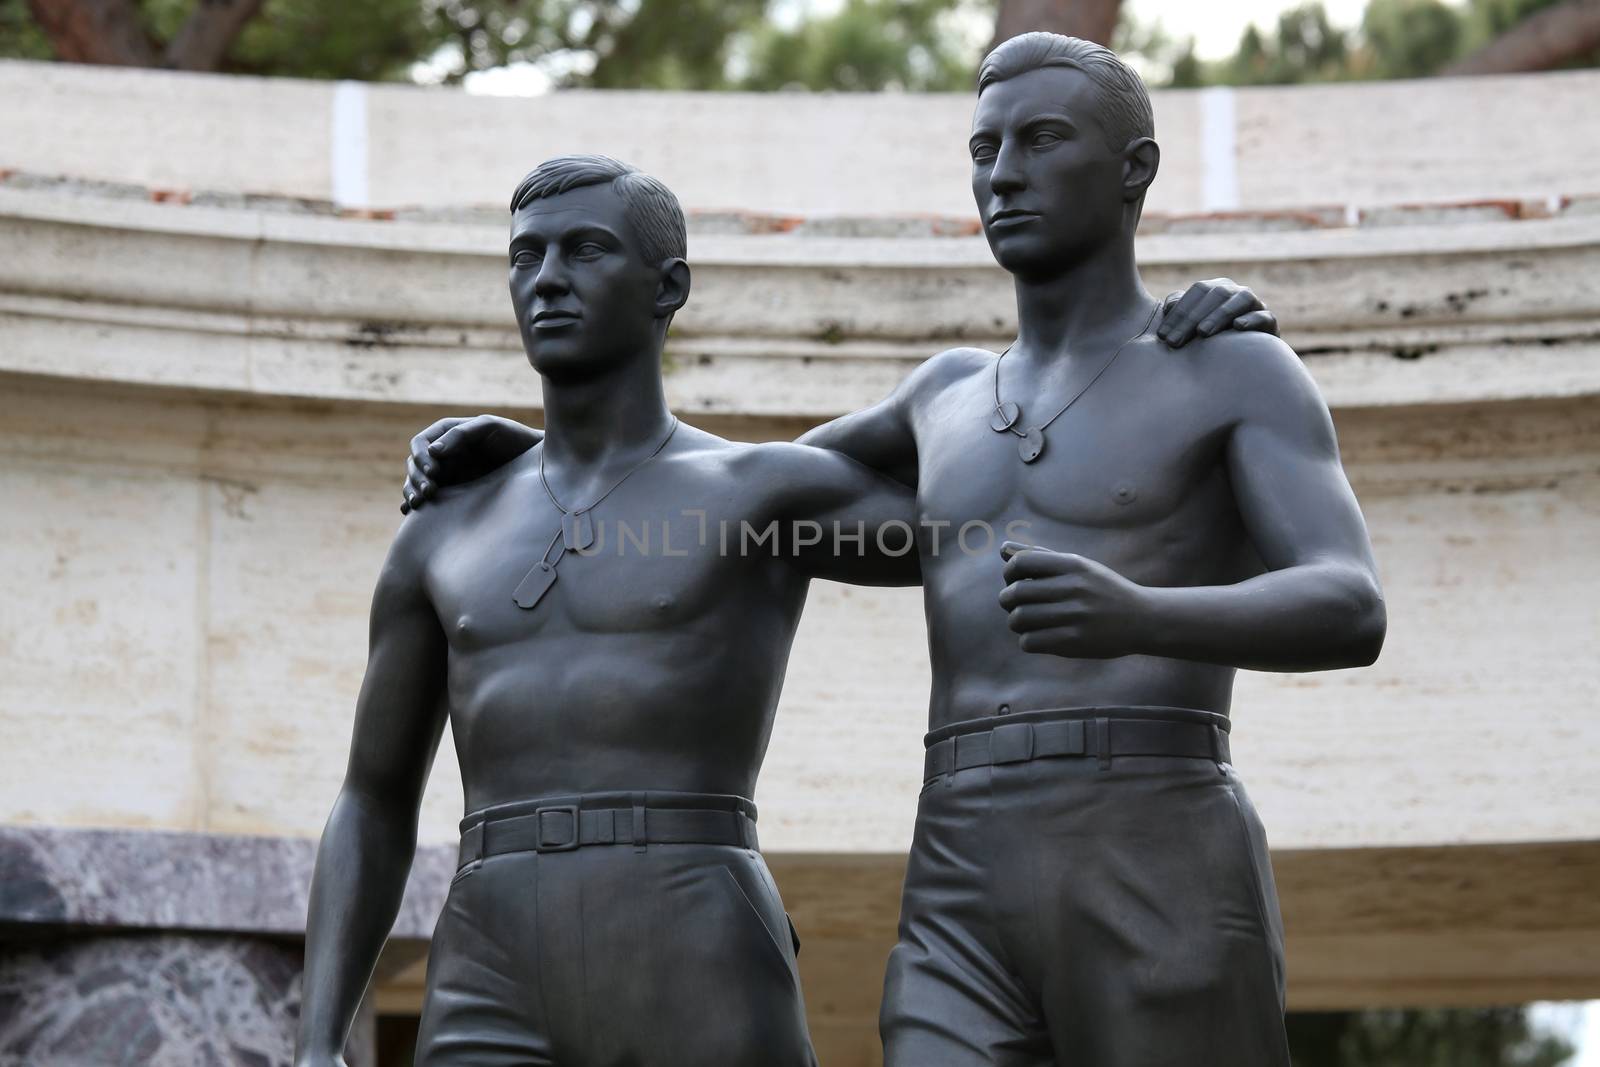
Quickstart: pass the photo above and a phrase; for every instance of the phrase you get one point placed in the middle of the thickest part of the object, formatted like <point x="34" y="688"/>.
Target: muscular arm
<point x="1318" y="606"/>
<point x="368" y="844"/>
<point x="878" y="437"/>
<point x="838" y="519"/>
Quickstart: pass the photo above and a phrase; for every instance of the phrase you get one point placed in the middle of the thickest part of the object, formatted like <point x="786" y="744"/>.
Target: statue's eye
<point x="525" y="258"/>
<point x="589" y="250"/>
<point x="1045" y="139"/>
<point x="982" y="152"/>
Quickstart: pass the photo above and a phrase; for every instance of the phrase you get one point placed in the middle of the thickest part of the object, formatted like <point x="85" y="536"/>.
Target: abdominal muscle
<point x="979" y="669"/>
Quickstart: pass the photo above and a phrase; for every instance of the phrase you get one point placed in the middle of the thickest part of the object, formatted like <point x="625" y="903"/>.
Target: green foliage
<point x="1306" y="48"/>
<point x="1489" y="1037"/>
<point x="735" y="44"/>
<point x="20" y="37"/>
<point x="866" y="45"/>
<point x="1396" y="39"/>
<point x="646" y="44"/>
<point x="366" y="40"/>
<point x="1411" y="38"/>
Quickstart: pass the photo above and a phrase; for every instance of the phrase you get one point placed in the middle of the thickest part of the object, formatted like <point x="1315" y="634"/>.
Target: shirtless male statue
<point x="1089" y="882"/>
<point x="609" y="673"/>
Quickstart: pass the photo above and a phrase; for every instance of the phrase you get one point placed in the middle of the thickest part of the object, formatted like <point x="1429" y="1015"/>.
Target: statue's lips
<point x="554" y="320"/>
<point x="1012" y="217"/>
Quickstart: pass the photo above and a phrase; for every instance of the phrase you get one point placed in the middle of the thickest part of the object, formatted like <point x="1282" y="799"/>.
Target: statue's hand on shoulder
<point x="1210" y="307"/>
<point x="458" y="450"/>
<point x="1068" y="605"/>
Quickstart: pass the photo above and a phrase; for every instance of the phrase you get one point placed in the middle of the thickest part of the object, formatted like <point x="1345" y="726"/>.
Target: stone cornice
<point x="280" y="304"/>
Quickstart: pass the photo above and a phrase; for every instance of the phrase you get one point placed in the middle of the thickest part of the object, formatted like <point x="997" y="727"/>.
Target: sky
<point x="1216" y="27"/>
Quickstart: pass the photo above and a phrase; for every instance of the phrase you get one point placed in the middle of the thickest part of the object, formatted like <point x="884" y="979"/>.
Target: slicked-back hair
<point x="651" y="209"/>
<point x="1124" y="103"/>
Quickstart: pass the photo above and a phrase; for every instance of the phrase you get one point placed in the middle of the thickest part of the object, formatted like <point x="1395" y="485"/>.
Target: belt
<point x="1102" y="737"/>
<point x="562" y="827"/>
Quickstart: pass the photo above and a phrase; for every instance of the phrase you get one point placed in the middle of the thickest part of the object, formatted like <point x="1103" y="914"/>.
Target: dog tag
<point x="1005" y="416"/>
<point x="535" y="585"/>
<point x="1031" y="447"/>
<point x="577" y="531"/>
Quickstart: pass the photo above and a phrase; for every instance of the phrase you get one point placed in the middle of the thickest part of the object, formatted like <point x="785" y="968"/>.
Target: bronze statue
<point x="1088" y="882"/>
<point x="610" y="676"/>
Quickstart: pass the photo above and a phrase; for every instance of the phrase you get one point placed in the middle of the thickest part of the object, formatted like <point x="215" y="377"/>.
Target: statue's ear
<point x="1140" y="161"/>
<point x="673" y="290"/>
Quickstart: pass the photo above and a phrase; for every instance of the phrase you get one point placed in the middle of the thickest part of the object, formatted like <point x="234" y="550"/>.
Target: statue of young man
<point x="1089" y="882"/>
<point x="608" y="646"/>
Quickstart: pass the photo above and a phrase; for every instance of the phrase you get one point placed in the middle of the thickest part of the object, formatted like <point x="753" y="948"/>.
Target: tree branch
<point x="1543" y="41"/>
<point x="1093" y="20"/>
<point x="95" y="31"/>
<point x="206" y="35"/>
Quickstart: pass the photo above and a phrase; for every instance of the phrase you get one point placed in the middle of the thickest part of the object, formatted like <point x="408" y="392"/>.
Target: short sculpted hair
<point x="652" y="210"/>
<point x="1120" y="93"/>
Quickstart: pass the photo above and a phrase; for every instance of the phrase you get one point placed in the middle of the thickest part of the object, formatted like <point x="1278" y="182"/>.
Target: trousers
<point x="628" y="953"/>
<point x="1101" y="910"/>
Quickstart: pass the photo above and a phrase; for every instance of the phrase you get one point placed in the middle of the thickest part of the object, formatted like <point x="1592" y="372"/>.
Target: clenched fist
<point x="1067" y="605"/>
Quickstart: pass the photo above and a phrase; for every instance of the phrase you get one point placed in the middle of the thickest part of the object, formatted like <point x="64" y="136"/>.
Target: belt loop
<point x="639" y="838"/>
<point x="1102" y="742"/>
<point x="1219" y="748"/>
<point x="472" y="845"/>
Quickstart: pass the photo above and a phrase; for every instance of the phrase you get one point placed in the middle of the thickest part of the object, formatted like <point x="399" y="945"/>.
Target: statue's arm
<point x="1318" y="606"/>
<point x="878" y="437"/>
<point x="838" y="519"/>
<point x="368" y="844"/>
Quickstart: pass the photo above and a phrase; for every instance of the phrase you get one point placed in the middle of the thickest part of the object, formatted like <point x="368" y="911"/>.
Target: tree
<point x="110" y="31"/>
<point x="1558" y="35"/>
<point x="1094" y="20"/>
<point x="1411" y="38"/>
<point x="1306" y="47"/>
<point x="866" y="45"/>
<point x="366" y="39"/>
<point x="636" y="43"/>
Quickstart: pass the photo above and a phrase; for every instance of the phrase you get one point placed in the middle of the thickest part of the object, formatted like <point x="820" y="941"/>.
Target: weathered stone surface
<point x="154" y="1000"/>
<point x="141" y="879"/>
<point x="1366" y="143"/>
<point x="780" y="326"/>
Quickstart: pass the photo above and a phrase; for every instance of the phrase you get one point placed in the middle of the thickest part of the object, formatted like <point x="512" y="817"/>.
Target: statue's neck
<point x="1078" y="308"/>
<point x="589" y="421"/>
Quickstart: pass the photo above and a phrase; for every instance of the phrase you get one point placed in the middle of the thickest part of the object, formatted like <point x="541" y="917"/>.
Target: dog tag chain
<point x="1007" y="415"/>
<point x="576" y="533"/>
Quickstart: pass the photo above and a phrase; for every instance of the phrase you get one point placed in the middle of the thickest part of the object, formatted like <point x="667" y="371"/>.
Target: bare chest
<point x="1122" y="457"/>
<point x="639" y="563"/>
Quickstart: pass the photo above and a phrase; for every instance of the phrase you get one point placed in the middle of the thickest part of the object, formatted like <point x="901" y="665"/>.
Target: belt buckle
<point x="540" y="844"/>
<point x="1011" y="743"/>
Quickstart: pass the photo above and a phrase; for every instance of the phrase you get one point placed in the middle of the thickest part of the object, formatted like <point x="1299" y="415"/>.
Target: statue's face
<point x="585" y="299"/>
<point x="1048" y="189"/>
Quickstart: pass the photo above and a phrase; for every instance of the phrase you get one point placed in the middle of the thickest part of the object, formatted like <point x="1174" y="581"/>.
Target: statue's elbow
<point x="1370" y="624"/>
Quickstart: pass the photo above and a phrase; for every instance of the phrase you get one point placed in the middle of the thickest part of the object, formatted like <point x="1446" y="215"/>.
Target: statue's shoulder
<point x="462" y="505"/>
<point x="1256" y="372"/>
<point x="947" y="368"/>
